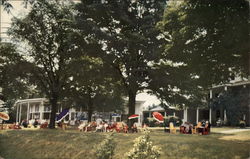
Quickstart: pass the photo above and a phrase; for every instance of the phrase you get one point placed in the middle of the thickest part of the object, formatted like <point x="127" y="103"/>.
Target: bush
<point x="151" y="122"/>
<point x="175" y="120"/>
<point x="106" y="149"/>
<point x="144" y="149"/>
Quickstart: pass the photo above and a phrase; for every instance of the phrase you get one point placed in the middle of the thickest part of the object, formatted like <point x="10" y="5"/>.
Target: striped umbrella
<point x="4" y="116"/>
<point x="62" y="115"/>
<point x="134" y="116"/>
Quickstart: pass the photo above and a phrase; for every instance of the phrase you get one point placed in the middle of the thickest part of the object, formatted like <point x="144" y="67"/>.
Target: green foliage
<point x="45" y="34"/>
<point x="125" y="32"/>
<point x="105" y="150"/>
<point x="175" y="120"/>
<point x="235" y="101"/>
<point x="144" y="149"/>
<point x="207" y="43"/>
<point x="92" y="86"/>
<point x="151" y="122"/>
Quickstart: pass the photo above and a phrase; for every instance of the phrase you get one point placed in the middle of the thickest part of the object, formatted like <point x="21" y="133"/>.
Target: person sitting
<point x="35" y="124"/>
<point x="100" y="127"/>
<point x="105" y="127"/>
<point x="207" y="128"/>
<point x="82" y="126"/>
<point x="88" y="127"/>
<point x="187" y="128"/>
<point x="145" y="126"/>
<point x="44" y="125"/>
<point x="125" y="128"/>
<point x="25" y="123"/>
<point x="134" y="128"/>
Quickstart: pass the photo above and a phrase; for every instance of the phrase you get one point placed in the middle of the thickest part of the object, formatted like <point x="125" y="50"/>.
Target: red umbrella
<point x="133" y="116"/>
<point x="158" y="116"/>
<point x="4" y="116"/>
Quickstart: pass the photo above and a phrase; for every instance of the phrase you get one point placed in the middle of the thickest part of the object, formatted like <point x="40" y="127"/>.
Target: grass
<point x="71" y="144"/>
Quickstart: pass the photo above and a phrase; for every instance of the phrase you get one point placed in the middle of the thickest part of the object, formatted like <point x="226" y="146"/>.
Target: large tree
<point x="45" y="33"/>
<point x="208" y="39"/>
<point x="93" y="87"/>
<point x="125" y="30"/>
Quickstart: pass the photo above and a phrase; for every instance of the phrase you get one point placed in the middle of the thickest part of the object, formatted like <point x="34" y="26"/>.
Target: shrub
<point x="174" y="119"/>
<point x="143" y="148"/>
<point x="106" y="149"/>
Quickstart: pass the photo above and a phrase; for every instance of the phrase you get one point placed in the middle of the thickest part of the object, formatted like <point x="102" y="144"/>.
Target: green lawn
<point x="71" y="144"/>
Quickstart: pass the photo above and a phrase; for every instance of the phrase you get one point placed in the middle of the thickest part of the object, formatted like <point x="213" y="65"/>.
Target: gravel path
<point x="234" y="131"/>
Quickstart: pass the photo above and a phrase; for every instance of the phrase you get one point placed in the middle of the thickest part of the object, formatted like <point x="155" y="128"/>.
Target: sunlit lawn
<point x="71" y="144"/>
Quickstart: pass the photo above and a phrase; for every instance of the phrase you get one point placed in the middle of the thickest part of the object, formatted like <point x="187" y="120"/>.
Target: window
<point x="47" y="108"/>
<point x="36" y="108"/>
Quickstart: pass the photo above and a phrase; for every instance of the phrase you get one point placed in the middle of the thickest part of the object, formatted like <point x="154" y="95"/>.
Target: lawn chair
<point x="44" y="125"/>
<point x="172" y="128"/>
<point x="119" y="127"/>
<point x="194" y="130"/>
<point x="207" y="129"/>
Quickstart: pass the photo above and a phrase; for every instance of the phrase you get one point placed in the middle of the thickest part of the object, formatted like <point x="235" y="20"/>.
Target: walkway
<point x="234" y="131"/>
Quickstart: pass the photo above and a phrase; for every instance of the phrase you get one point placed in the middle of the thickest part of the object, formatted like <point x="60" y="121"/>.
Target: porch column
<point x="174" y="114"/>
<point x="139" y="120"/>
<point x="17" y="112"/>
<point x="142" y="118"/>
<point x="210" y="110"/>
<point x="197" y="115"/>
<point x="225" y="88"/>
<point x="185" y="115"/>
<point x="225" y="115"/>
<point x="41" y="110"/>
<point x="70" y="114"/>
<point x="211" y="94"/>
<point x="28" y="112"/>
<point x="210" y="115"/>
<point x="165" y="114"/>
<point x="20" y="114"/>
<point x="150" y="114"/>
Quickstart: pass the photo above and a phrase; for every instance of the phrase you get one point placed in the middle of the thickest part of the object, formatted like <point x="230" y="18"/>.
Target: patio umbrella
<point x="62" y="115"/>
<point x="4" y="116"/>
<point x="133" y="116"/>
<point x="158" y="116"/>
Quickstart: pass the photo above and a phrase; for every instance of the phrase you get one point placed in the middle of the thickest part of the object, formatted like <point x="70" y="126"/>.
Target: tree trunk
<point x="248" y="66"/>
<point x="90" y="109"/>
<point x="53" y="102"/>
<point x="131" y="105"/>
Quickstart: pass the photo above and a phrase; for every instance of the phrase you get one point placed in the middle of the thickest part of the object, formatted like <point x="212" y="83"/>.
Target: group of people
<point x="26" y="124"/>
<point x="106" y="127"/>
<point x="202" y="127"/>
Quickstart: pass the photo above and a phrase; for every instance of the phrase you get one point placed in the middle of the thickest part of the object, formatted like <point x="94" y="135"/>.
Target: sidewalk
<point x="234" y="131"/>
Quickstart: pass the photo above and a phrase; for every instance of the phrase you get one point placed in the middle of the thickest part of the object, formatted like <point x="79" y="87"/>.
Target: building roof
<point x="31" y="100"/>
<point x="233" y="84"/>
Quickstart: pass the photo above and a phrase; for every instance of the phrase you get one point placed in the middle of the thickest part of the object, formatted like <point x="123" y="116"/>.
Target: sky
<point x="18" y="10"/>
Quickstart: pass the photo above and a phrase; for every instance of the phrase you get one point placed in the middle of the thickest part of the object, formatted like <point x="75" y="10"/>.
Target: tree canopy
<point x="93" y="87"/>
<point x="46" y="32"/>
<point x="129" y="41"/>
<point x="209" y="40"/>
